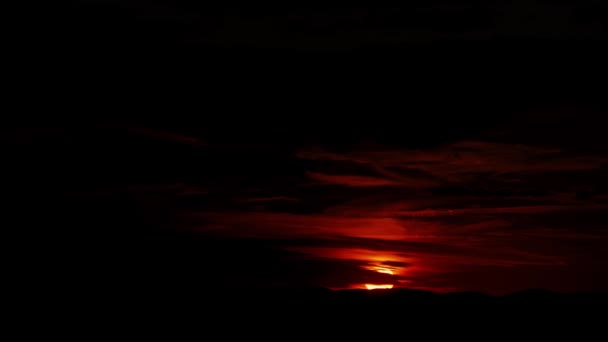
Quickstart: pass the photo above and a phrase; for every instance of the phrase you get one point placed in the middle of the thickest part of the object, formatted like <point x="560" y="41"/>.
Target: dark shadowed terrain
<point x="322" y="313"/>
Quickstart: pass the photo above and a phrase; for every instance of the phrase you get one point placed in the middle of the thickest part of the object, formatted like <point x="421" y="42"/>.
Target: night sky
<point x="438" y="146"/>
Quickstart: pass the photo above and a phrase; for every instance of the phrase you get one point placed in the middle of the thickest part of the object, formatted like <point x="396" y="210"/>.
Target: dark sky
<point x="442" y="146"/>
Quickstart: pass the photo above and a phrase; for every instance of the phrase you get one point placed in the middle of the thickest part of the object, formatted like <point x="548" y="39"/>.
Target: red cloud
<point x="464" y="161"/>
<point x="173" y="137"/>
<point x="537" y="209"/>
<point x="350" y="180"/>
<point x="284" y="225"/>
<point x="414" y="248"/>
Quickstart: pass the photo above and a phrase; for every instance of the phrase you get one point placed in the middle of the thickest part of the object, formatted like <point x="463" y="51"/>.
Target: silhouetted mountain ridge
<point x="273" y="313"/>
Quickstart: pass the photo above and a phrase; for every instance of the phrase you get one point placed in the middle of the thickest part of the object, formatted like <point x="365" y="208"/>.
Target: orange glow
<point x="379" y="269"/>
<point x="376" y="287"/>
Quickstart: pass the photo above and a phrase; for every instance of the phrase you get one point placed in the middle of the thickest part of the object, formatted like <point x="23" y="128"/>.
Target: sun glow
<point x="380" y="269"/>
<point x="376" y="287"/>
<point x="383" y="270"/>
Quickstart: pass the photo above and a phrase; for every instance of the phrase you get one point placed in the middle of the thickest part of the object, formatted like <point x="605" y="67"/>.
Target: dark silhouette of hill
<point x="397" y="313"/>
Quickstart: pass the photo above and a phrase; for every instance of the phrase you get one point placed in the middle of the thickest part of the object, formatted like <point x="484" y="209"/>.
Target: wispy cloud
<point x="268" y="199"/>
<point x="464" y="161"/>
<point x="351" y="180"/>
<point x="168" y="136"/>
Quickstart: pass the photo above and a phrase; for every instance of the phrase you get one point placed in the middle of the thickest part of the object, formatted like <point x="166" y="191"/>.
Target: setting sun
<point x="375" y="287"/>
<point x="382" y="270"/>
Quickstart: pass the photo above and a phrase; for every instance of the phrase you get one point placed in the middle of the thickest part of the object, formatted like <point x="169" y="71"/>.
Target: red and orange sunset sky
<point x="434" y="145"/>
<point x="496" y="210"/>
<point x="469" y="215"/>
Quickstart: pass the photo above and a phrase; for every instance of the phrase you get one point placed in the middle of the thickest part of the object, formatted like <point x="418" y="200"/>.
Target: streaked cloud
<point x="464" y="161"/>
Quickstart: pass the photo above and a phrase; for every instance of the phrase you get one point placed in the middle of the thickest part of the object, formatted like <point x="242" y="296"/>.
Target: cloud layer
<point x="455" y="217"/>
